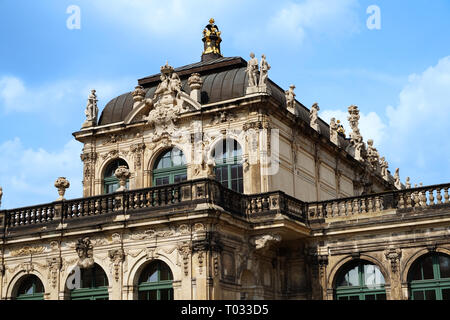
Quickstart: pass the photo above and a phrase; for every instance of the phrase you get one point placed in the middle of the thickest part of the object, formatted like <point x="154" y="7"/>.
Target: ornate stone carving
<point x="184" y="229"/>
<point x="85" y="253"/>
<point x="200" y="258"/>
<point x="116" y="238"/>
<point x="184" y="250"/>
<point x="265" y="67"/>
<point x="199" y="227"/>
<point x="138" y="94"/>
<point x="290" y="99"/>
<point x="252" y="71"/>
<point x="334" y="131"/>
<point x="137" y="151"/>
<point x="113" y="139"/>
<point x="373" y="157"/>
<point x="122" y="173"/>
<point x="215" y="257"/>
<point x="223" y="116"/>
<point x="117" y="256"/>
<point x="61" y="184"/>
<point x="356" y="139"/>
<point x="262" y="241"/>
<point x="397" y="182"/>
<point x="314" y="117"/>
<point x="384" y="165"/>
<point x="88" y="159"/>
<point x="393" y="255"/>
<point x="167" y="103"/>
<point x="195" y="84"/>
<point x="54" y="265"/>
<point x="27" y="250"/>
<point x="151" y="233"/>
<point x="91" y="111"/>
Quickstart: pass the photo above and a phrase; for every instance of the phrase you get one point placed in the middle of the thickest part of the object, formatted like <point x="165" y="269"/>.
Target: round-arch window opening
<point x="30" y="288"/>
<point x="429" y="277"/>
<point x="170" y="167"/>
<point x="156" y="282"/>
<point x="229" y="170"/>
<point x="94" y="285"/>
<point x="111" y="183"/>
<point x="360" y="280"/>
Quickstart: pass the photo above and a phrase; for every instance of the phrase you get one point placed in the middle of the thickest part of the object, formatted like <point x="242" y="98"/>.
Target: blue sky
<point x="399" y="75"/>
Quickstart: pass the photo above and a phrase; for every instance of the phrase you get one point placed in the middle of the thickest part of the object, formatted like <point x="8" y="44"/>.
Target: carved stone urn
<point x="61" y="184"/>
<point x="138" y="94"/>
<point x="122" y="173"/>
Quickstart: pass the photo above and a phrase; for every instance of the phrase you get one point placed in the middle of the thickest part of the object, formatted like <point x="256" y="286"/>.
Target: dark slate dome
<point x="223" y="79"/>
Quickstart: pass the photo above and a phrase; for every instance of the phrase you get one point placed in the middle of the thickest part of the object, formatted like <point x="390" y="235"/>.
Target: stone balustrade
<point x="417" y="198"/>
<point x="190" y="193"/>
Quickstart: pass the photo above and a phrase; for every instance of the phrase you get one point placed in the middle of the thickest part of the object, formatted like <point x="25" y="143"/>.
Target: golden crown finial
<point x="211" y="21"/>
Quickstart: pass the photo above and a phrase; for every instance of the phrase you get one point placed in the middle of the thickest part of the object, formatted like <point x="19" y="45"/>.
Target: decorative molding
<point x="27" y="250"/>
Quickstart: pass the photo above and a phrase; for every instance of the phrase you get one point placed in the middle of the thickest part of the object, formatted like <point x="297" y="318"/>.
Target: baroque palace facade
<point x="209" y="181"/>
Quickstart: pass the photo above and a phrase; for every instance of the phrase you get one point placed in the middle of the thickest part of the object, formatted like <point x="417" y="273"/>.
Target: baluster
<point x="438" y="196"/>
<point x="342" y="211"/>
<point x="329" y="209"/>
<point x="415" y="199"/>
<point x="423" y="198"/>
<point x="363" y="205"/>
<point x="370" y="205"/>
<point x="377" y="204"/>
<point x="408" y="200"/>
<point x="335" y="209"/>
<point x="355" y="206"/>
<point x="401" y="201"/>
<point x="431" y="197"/>
<point x="446" y="196"/>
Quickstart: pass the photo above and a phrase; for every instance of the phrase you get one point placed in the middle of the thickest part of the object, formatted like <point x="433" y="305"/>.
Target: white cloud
<point x="414" y="138"/>
<point x="57" y="99"/>
<point x="28" y="175"/>
<point x="296" y="20"/>
<point x="161" y="18"/>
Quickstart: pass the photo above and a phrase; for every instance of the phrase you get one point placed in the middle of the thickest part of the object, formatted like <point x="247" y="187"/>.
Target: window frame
<point x="362" y="291"/>
<point x="156" y="286"/>
<point x="437" y="284"/>
<point x="169" y="172"/>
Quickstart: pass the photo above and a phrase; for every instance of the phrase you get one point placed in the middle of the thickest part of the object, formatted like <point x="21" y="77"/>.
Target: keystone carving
<point x="85" y="253"/>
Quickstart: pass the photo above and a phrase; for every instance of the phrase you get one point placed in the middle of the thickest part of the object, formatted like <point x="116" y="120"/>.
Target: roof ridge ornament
<point x="211" y="40"/>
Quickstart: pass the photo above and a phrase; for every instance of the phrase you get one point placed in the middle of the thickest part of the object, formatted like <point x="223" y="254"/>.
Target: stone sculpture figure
<point x="314" y="117"/>
<point x="372" y="155"/>
<point x="265" y="67"/>
<point x="397" y="182"/>
<point x="334" y="131"/>
<point x="384" y="166"/>
<point x="167" y="103"/>
<point x="252" y="71"/>
<point x="290" y="99"/>
<point x="91" y="111"/>
<point x="85" y="253"/>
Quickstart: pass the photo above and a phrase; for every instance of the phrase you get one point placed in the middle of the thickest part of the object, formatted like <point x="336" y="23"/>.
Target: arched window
<point x="429" y="278"/>
<point x="109" y="179"/>
<point x="30" y="288"/>
<point x="94" y="285"/>
<point x="228" y="170"/>
<point x="170" y="168"/>
<point x="360" y="280"/>
<point x="155" y="282"/>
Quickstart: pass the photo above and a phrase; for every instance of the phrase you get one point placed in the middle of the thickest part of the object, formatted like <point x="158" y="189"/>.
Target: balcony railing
<point x="417" y="198"/>
<point x="186" y="195"/>
<point x="147" y="200"/>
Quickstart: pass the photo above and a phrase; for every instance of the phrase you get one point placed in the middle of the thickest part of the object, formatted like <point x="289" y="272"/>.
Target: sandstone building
<point x="209" y="181"/>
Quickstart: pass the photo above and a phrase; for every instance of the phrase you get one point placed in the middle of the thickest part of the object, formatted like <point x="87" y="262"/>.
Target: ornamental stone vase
<point x="122" y="173"/>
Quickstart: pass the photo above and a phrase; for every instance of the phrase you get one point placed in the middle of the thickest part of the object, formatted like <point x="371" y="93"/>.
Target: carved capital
<point x="393" y="255"/>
